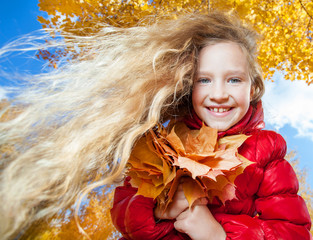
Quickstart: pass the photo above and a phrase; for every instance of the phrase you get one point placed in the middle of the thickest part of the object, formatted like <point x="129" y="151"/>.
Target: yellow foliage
<point x="94" y="218"/>
<point x="286" y="25"/>
<point x="305" y="190"/>
<point x="309" y="8"/>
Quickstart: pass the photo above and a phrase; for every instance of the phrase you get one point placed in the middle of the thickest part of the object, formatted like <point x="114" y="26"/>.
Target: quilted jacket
<point x="267" y="204"/>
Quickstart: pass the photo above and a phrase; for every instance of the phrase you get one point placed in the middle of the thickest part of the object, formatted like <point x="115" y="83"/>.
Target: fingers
<point x="183" y="215"/>
<point x="199" y="202"/>
<point x="181" y="223"/>
<point x="178" y="225"/>
<point x="177" y="206"/>
<point x="179" y="194"/>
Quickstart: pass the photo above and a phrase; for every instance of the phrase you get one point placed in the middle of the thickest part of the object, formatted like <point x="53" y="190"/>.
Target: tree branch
<point x="305" y="9"/>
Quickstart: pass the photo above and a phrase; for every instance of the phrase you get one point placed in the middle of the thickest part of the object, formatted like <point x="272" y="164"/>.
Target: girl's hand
<point x="176" y="207"/>
<point x="199" y="223"/>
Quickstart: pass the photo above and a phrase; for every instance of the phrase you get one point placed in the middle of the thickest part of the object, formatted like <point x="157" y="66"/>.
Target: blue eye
<point x="234" y="80"/>
<point x="204" y="80"/>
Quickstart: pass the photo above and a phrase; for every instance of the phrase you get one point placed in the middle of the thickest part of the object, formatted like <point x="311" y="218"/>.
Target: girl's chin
<point x="222" y="124"/>
<point x="222" y="128"/>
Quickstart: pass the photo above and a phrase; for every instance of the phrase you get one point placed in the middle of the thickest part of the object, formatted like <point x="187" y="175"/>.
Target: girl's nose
<point x="219" y="93"/>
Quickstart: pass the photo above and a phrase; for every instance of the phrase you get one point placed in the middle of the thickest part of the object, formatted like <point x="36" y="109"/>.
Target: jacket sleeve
<point x="133" y="216"/>
<point x="279" y="212"/>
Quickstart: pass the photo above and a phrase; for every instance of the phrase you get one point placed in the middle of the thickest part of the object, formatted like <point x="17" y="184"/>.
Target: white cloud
<point x="2" y="93"/>
<point x="287" y="102"/>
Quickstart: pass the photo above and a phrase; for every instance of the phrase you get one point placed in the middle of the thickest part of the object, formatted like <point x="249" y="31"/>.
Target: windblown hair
<point x="79" y="122"/>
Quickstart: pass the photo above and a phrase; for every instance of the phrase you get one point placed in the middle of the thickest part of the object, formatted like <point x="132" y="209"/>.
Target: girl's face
<point x="222" y="88"/>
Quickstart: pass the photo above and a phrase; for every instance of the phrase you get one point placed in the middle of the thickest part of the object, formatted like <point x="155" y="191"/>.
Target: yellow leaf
<point x="142" y="157"/>
<point x="195" y="168"/>
<point x="224" y="161"/>
<point x="150" y="173"/>
<point x="192" y="190"/>
<point x="227" y="193"/>
<point x="201" y="142"/>
<point x="149" y="190"/>
<point x="233" y="141"/>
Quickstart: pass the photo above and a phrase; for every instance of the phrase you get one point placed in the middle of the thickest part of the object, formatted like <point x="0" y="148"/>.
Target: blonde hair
<point x="79" y="122"/>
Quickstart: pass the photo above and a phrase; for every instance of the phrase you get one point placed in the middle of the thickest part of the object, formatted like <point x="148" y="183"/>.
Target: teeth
<point x="220" y="110"/>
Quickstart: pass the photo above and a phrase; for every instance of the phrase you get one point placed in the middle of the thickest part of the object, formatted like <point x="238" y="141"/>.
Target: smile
<point x="219" y="110"/>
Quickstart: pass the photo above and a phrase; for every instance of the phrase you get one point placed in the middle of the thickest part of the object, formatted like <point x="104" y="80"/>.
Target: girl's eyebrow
<point x="229" y="72"/>
<point x="237" y="72"/>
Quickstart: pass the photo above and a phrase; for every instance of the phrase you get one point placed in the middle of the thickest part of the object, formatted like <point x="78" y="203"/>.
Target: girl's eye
<point x="204" y="80"/>
<point x="234" y="80"/>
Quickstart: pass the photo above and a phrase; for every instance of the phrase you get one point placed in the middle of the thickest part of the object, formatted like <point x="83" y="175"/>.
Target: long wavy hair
<point x="79" y="122"/>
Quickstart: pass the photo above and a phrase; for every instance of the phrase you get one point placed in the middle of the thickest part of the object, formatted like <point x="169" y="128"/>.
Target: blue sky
<point x="18" y="18"/>
<point x="288" y="105"/>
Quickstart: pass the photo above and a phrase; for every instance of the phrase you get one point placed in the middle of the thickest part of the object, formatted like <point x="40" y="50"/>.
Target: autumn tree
<point x="305" y="190"/>
<point x="285" y="25"/>
<point x="94" y="218"/>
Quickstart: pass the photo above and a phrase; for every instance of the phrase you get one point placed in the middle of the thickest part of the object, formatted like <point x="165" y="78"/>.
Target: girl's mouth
<point x="219" y="109"/>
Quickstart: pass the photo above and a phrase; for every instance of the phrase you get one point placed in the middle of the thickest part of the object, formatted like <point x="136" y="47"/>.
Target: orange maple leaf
<point x="209" y="165"/>
<point x="149" y="172"/>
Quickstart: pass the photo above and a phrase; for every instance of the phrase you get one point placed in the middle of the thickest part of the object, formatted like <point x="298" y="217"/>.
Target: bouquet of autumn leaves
<point x="209" y="165"/>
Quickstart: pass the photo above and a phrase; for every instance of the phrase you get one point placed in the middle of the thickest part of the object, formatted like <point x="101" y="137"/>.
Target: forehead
<point x="223" y="56"/>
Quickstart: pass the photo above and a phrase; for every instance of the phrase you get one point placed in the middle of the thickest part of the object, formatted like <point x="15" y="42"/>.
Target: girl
<point x="77" y="126"/>
<point x="225" y="95"/>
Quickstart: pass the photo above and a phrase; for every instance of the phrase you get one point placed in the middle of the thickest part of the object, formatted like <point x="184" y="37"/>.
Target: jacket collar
<point x="253" y="120"/>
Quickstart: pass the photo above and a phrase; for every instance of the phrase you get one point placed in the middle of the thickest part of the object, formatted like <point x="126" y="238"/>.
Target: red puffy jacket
<point x="267" y="204"/>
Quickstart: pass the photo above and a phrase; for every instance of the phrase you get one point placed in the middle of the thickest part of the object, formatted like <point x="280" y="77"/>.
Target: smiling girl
<point x="81" y="124"/>
<point x="226" y="91"/>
